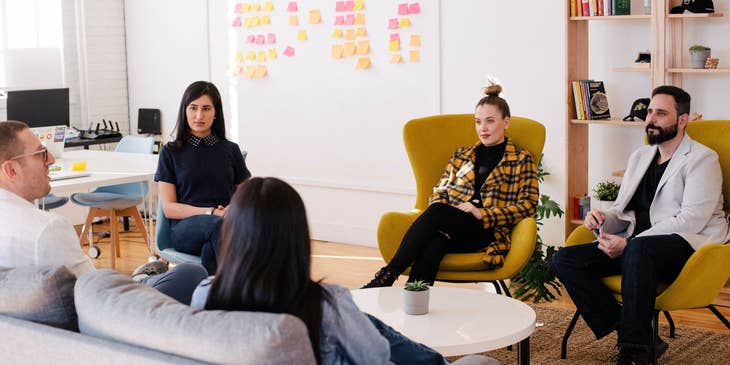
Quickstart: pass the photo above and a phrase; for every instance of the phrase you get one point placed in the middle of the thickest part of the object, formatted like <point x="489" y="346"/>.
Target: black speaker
<point x="148" y="121"/>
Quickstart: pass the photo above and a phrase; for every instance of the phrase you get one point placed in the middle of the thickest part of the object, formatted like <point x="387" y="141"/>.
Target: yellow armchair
<point x="430" y="142"/>
<point x="706" y="271"/>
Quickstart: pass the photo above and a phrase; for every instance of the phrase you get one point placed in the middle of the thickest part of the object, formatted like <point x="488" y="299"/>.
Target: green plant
<point x="698" y="48"/>
<point x="606" y="190"/>
<point x="536" y="278"/>
<point x="418" y="285"/>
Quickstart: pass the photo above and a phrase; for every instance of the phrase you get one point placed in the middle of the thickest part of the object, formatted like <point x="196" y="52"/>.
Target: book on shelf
<point x="590" y="100"/>
<point x="621" y="7"/>
<point x="573" y="9"/>
<point x="585" y="7"/>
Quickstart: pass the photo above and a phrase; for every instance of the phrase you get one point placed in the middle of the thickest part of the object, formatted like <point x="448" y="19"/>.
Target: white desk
<point x="459" y="321"/>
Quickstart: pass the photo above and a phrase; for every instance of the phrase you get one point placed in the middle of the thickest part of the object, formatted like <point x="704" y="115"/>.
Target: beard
<point x="663" y="135"/>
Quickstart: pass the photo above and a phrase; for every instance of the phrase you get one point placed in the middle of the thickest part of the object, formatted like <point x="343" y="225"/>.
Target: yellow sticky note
<point x="293" y="20"/>
<point x="260" y="71"/>
<point x="337" y="33"/>
<point x="250" y="56"/>
<point x="415" y="40"/>
<point x="349" y="48"/>
<point x="394" y="45"/>
<point x="350" y="34"/>
<point x="78" y="166"/>
<point x="245" y="7"/>
<point x="272" y="54"/>
<point x="363" y="47"/>
<point x="255" y="6"/>
<point x="360" y="18"/>
<point x="255" y="21"/>
<point x="261" y="57"/>
<point x="414" y="56"/>
<point x="363" y="63"/>
<point x="265" y="20"/>
<point x="248" y="73"/>
<point x="315" y="16"/>
<point x="362" y="32"/>
<point x="395" y="59"/>
<point x="359" y="5"/>
<point x="268" y="6"/>
<point x="302" y="35"/>
<point x="237" y="71"/>
<point x="337" y="51"/>
<point x="404" y="22"/>
<point x="247" y="22"/>
<point x="239" y="56"/>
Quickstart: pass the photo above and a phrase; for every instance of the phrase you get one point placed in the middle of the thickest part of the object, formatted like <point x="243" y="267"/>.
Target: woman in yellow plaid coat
<point x="484" y="191"/>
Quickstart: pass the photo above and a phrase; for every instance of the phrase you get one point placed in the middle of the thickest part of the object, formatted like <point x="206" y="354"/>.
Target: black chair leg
<point x="506" y="289"/>
<point x="671" y="323"/>
<point x="568" y="331"/>
<point x="655" y="335"/>
<point x="719" y="316"/>
<point x="496" y="287"/>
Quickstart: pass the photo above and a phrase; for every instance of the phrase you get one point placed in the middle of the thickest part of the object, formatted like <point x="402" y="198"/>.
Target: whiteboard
<point x="314" y="118"/>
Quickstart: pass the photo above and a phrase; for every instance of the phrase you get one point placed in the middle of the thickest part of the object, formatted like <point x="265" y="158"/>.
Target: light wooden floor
<point x="352" y="266"/>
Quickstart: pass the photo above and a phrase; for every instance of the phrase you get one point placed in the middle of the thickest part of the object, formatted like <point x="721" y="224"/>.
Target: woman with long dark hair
<point x="198" y="173"/>
<point x="265" y="267"/>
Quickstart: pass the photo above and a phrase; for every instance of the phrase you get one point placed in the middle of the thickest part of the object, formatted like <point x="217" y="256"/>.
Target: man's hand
<point x="611" y="244"/>
<point x="594" y="219"/>
<point x="470" y="208"/>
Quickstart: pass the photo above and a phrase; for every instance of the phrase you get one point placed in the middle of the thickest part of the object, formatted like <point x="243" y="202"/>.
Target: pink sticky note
<point x="237" y="22"/>
<point x="292" y="6"/>
<point x="350" y="19"/>
<point x="250" y="38"/>
<point x="414" y="8"/>
<point x="403" y="9"/>
<point x="238" y="8"/>
<point x="271" y="38"/>
<point x="394" y="37"/>
<point x="349" y="5"/>
<point x="260" y="39"/>
<point x="339" y="20"/>
<point x="393" y="23"/>
<point x="289" y="51"/>
<point x="340" y="6"/>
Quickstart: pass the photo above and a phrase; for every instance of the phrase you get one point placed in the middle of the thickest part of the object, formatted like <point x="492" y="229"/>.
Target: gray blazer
<point x="688" y="200"/>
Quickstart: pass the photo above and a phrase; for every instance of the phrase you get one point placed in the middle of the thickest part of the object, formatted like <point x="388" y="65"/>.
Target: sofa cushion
<point x="112" y="306"/>
<point x="39" y="294"/>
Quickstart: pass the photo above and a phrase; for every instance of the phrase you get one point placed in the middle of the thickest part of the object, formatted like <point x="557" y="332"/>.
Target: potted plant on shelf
<point x="604" y="194"/>
<point x="698" y="55"/>
<point x="415" y="299"/>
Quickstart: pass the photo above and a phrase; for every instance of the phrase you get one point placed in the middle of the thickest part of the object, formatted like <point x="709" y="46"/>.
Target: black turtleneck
<point x="486" y="159"/>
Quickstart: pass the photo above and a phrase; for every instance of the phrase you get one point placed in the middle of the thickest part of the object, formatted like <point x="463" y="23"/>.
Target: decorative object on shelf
<point x="712" y="62"/>
<point x="416" y="297"/>
<point x="638" y="110"/>
<point x="604" y="194"/>
<point x="647" y="7"/>
<point x="693" y="6"/>
<point x="590" y="100"/>
<point x="695" y="116"/>
<point x="699" y="55"/>
<point x="644" y="58"/>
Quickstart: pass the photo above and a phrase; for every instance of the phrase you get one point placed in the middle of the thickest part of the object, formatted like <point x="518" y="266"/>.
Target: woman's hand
<point x="470" y="208"/>
<point x="220" y="211"/>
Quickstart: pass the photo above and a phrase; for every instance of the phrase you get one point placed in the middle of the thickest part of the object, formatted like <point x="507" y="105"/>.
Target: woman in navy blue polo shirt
<point x="198" y="173"/>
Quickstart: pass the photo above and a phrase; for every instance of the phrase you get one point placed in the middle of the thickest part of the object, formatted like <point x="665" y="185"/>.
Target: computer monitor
<point x="39" y="108"/>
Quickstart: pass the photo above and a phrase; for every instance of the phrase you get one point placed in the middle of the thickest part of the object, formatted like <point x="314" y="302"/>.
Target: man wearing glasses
<point x="30" y="237"/>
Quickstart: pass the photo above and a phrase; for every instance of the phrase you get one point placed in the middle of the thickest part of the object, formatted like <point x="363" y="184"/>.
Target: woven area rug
<point x="690" y="345"/>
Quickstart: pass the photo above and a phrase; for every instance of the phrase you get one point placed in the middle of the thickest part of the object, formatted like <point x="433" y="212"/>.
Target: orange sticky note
<point x="362" y="32"/>
<point x="237" y="71"/>
<point x="359" y="5"/>
<point x="414" y="56"/>
<point x="315" y="16"/>
<point x="261" y="57"/>
<point x="404" y="22"/>
<point x="255" y="6"/>
<point x="363" y="63"/>
<point x="363" y="47"/>
<point x="337" y="33"/>
<point x="78" y="166"/>
<point x="415" y="40"/>
<point x="268" y="6"/>
<point x="265" y="20"/>
<point x="302" y="35"/>
<point x="239" y="56"/>
<point x="349" y="48"/>
<point x="293" y="20"/>
<point x="260" y="71"/>
<point x="249" y="71"/>
<point x="360" y="18"/>
<point x="394" y="45"/>
<point x="337" y="51"/>
<point x="272" y="53"/>
<point x="250" y="56"/>
<point x="350" y="34"/>
<point x="395" y="59"/>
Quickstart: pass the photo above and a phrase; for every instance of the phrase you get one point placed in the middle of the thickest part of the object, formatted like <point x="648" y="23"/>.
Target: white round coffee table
<point x="459" y="321"/>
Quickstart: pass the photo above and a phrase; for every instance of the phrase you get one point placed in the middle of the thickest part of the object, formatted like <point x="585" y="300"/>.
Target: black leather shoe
<point x="661" y="347"/>
<point x="383" y="277"/>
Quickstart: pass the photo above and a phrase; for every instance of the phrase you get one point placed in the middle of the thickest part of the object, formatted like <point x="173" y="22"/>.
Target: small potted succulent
<point x="604" y="194"/>
<point x="415" y="299"/>
<point x="698" y="55"/>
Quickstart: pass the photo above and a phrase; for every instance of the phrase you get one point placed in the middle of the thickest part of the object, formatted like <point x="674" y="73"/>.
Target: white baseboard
<point x="354" y="235"/>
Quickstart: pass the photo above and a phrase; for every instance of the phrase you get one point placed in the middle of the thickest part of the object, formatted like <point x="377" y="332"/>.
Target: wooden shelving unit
<point x="699" y="70"/>
<point x="618" y="122"/>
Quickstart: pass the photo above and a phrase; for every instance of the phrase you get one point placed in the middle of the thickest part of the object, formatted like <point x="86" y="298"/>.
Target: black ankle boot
<point x="383" y="277"/>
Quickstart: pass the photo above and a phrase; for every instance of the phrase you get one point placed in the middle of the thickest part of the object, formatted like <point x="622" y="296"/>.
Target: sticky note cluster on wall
<point x="394" y="42"/>
<point x="350" y="33"/>
<point x="251" y="62"/>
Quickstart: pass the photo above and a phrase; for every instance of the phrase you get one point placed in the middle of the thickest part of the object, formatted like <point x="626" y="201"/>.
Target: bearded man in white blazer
<point x="669" y="204"/>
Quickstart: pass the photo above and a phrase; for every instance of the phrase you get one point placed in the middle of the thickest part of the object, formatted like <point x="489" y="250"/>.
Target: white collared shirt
<point x="33" y="237"/>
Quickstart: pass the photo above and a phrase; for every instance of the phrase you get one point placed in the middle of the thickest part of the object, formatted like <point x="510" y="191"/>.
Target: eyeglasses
<point x="43" y="152"/>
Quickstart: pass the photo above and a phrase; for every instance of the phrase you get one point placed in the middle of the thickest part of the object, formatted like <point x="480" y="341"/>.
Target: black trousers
<point x="645" y="262"/>
<point x="441" y="229"/>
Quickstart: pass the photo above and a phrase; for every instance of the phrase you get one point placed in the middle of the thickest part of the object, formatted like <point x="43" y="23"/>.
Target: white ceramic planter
<point x="698" y="58"/>
<point x="602" y="205"/>
<point x="415" y="302"/>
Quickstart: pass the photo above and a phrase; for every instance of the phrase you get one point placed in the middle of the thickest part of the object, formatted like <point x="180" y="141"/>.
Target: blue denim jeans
<point x="198" y="235"/>
<point x="645" y="262"/>
<point x="405" y="351"/>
